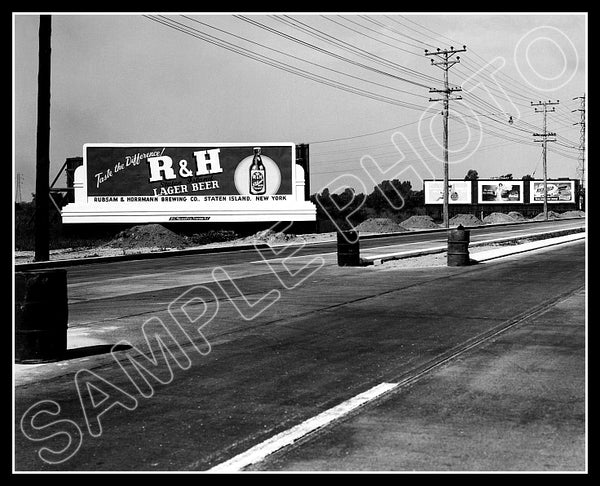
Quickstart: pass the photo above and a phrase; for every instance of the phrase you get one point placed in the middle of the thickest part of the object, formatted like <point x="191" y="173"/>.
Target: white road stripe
<point x="306" y="257"/>
<point x="288" y="437"/>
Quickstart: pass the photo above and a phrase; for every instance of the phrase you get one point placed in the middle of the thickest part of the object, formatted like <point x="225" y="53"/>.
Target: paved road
<point x="516" y="403"/>
<point x="286" y="344"/>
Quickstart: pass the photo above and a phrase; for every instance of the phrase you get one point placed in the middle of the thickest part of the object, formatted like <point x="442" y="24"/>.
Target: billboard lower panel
<point x="300" y="211"/>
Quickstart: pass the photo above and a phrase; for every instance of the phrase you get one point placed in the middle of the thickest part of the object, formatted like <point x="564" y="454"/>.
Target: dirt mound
<point x="573" y="214"/>
<point x="419" y="222"/>
<point x="516" y="216"/>
<point x="496" y="218"/>
<point x="379" y="225"/>
<point x="465" y="220"/>
<point x="148" y="236"/>
<point x="551" y="215"/>
<point x="269" y="236"/>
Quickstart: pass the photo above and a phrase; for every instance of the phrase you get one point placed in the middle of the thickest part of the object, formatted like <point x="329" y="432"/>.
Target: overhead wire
<point x="327" y="52"/>
<point x="353" y="49"/>
<point x="477" y="101"/>
<point x="303" y="60"/>
<point x="279" y="64"/>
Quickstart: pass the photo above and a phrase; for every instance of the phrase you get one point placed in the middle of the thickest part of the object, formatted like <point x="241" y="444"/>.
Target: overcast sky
<point x="128" y="78"/>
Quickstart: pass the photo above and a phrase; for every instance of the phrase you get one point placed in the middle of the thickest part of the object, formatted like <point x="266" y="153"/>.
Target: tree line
<point x="393" y="199"/>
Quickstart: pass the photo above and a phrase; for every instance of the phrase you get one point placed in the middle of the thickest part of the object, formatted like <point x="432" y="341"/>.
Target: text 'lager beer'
<point x="258" y="177"/>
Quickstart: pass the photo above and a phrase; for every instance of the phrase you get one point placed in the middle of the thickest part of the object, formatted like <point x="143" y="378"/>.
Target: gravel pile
<point x="516" y="216"/>
<point x="379" y="225"/>
<point x="551" y="215"/>
<point x="148" y="236"/>
<point x="496" y="218"/>
<point x="269" y="236"/>
<point x="419" y="222"/>
<point x="465" y="220"/>
<point x="573" y="214"/>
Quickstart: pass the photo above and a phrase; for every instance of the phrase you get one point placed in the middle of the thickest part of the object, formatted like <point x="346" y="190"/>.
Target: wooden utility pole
<point x="42" y="168"/>
<point x="544" y="139"/>
<point x="19" y="195"/>
<point x="581" y="161"/>
<point x="445" y="63"/>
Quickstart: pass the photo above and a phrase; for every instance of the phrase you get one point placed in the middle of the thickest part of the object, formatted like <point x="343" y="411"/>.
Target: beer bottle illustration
<point x="258" y="176"/>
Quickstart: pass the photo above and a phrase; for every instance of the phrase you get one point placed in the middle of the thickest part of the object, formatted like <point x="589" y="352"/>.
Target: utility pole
<point x="581" y="162"/>
<point x="445" y="62"/>
<point x="19" y="195"/>
<point x="544" y="139"/>
<point x="42" y="167"/>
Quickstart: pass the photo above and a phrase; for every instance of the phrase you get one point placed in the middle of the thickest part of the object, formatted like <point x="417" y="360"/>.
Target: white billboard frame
<point x="181" y="208"/>
<point x="550" y="183"/>
<point x="467" y="191"/>
<point x="496" y="182"/>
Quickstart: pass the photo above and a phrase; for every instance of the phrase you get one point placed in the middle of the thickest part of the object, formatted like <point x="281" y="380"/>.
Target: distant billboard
<point x="558" y="191"/>
<point x="500" y="191"/>
<point x="459" y="192"/>
<point x="195" y="182"/>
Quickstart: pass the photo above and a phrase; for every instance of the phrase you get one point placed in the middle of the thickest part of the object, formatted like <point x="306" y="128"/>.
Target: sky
<point x="358" y="92"/>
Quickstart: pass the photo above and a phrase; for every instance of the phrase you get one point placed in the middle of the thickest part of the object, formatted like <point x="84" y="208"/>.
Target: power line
<point x="504" y="136"/>
<point x="379" y="24"/>
<point x="353" y="49"/>
<point x="279" y="64"/>
<point x="326" y="52"/>
<point x="537" y="165"/>
<point x="364" y="134"/>
<point x="493" y="87"/>
<point x="301" y="59"/>
<point x="406" y="26"/>
<point x="517" y="84"/>
<point x="345" y="160"/>
<point x="367" y="35"/>
<point x="475" y="100"/>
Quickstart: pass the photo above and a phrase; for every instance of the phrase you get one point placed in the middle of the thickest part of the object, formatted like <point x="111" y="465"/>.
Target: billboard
<point x="195" y="182"/>
<point x="500" y="191"/>
<point x="185" y="171"/>
<point x="459" y="192"/>
<point x="558" y="191"/>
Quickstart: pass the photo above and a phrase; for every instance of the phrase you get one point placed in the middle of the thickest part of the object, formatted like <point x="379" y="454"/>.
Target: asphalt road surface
<point x="279" y="343"/>
<point x="512" y="404"/>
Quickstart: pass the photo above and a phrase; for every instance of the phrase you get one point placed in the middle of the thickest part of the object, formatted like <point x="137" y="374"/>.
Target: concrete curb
<point x="379" y="259"/>
<point x="535" y="245"/>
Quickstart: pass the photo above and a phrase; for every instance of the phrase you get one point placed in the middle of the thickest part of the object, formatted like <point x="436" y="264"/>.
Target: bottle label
<point x="257" y="181"/>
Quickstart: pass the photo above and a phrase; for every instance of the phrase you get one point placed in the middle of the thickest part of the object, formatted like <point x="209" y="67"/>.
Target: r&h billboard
<point x="189" y="182"/>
